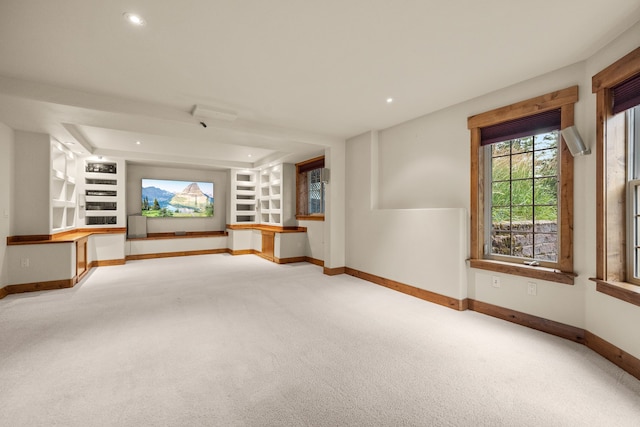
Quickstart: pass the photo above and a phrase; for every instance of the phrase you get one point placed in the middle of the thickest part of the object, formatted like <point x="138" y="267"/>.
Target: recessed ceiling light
<point x="138" y="143"/>
<point x="249" y="155"/>
<point x="389" y="100"/>
<point x="133" y="18"/>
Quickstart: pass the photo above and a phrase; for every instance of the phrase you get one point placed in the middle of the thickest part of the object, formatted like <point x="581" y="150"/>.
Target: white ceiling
<point x="301" y="75"/>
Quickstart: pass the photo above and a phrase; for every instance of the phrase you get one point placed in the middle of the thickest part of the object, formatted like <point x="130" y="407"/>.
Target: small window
<point x="310" y="189"/>
<point x="617" y="90"/>
<point x="522" y="188"/>
<point x="522" y="197"/>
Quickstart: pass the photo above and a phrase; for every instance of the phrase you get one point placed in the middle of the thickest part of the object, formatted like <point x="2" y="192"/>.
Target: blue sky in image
<point x="177" y="186"/>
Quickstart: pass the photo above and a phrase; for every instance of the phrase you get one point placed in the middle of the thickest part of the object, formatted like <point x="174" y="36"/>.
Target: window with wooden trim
<point x="617" y="90"/>
<point x="310" y="189"/>
<point x="522" y="188"/>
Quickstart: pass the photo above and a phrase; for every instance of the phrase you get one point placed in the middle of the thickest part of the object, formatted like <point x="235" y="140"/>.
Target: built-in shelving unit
<point x="63" y="205"/>
<point x="243" y="203"/>
<point x="102" y="199"/>
<point x="277" y="191"/>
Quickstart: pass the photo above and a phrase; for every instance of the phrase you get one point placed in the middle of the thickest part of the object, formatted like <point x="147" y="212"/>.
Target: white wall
<point x="314" y="245"/>
<point x="335" y="197"/>
<point x="6" y="188"/>
<point x="289" y="245"/>
<point x="48" y="262"/>
<point x="425" y="163"/>
<point x="135" y="174"/>
<point x="425" y="248"/>
<point x="105" y="247"/>
<point x="140" y="247"/>
<point x="32" y="172"/>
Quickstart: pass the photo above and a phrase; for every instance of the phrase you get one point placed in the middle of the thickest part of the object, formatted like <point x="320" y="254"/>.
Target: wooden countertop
<point x="70" y="236"/>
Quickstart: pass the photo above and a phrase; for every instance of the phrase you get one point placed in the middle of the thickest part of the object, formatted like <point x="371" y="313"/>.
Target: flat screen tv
<point x="162" y="198"/>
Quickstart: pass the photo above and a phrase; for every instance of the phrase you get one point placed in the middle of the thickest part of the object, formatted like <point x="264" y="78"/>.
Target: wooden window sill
<point x="310" y="217"/>
<point x="534" y="272"/>
<point x="624" y="291"/>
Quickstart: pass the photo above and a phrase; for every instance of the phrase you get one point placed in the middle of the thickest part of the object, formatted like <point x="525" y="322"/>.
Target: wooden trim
<point x="175" y="254"/>
<point x="334" y="271"/>
<point x="619" y="71"/>
<point x="549" y="326"/>
<point x="108" y="262"/>
<point x="302" y="195"/>
<point x="274" y="228"/>
<point x="289" y="260"/>
<point x="624" y="291"/>
<point x="265" y="256"/>
<point x="306" y="162"/>
<point x="477" y="195"/>
<point x="242" y="252"/>
<point x="3" y="292"/>
<point x="33" y="238"/>
<point x="68" y="236"/>
<point x="539" y="104"/>
<point x="314" y="261"/>
<point x="40" y="286"/>
<point x="615" y="355"/>
<point x="310" y="217"/>
<point x="611" y="226"/>
<point x="112" y="230"/>
<point x="601" y="188"/>
<point x="187" y="235"/>
<point x="565" y="193"/>
<point x="562" y="271"/>
<point x="541" y="273"/>
<point x="79" y="277"/>
<point x="423" y="294"/>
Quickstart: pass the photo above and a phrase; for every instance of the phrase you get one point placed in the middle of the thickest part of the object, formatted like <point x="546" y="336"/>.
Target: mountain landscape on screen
<point x="177" y="199"/>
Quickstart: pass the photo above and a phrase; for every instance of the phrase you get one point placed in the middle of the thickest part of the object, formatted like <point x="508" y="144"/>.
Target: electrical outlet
<point x="24" y="262"/>
<point x="495" y="281"/>
<point x="532" y="288"/>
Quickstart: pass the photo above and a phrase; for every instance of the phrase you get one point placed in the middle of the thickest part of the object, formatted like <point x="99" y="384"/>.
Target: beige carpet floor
<point x="217" y="340"/>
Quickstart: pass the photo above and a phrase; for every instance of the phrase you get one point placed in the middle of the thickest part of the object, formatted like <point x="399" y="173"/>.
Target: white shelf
<point x="100" y="213"/>
<point x="106" y="182"/>
<point x="242" y="208"/>
<point x="100" y="198"/>
<point x="56" y="174"/>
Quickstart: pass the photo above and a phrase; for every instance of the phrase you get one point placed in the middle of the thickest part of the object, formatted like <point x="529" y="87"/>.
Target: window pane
<point x="546" y="140"/>
<point x="546" y="191"/>
<point x="500" y="168"/>
<point x="501" y="243"/>
<point x="316" y="192"/>
<point x="546" y="246"/>
<point x="522" y="165"/>
<point x="521" y="145"/>
<point x="522" y="219"/>
<point x="546" y="214"/>
<point x="501" y="149"/>
<point x="501" y="218"/>
<point x="522" y="192"/>
<point x="501" y="194"/>
<point x="524" y="201"/>
<point x="546" y="163"/>
<point x="522" y="245"/>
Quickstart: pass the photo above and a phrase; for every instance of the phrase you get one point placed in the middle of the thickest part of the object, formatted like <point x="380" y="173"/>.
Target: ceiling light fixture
<point x="249" y="155"/>
<point x="207" y="112"/>
<point x="389" y="100"/>
<point x="134" y="18"/>
<point x="138" y="143"/>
